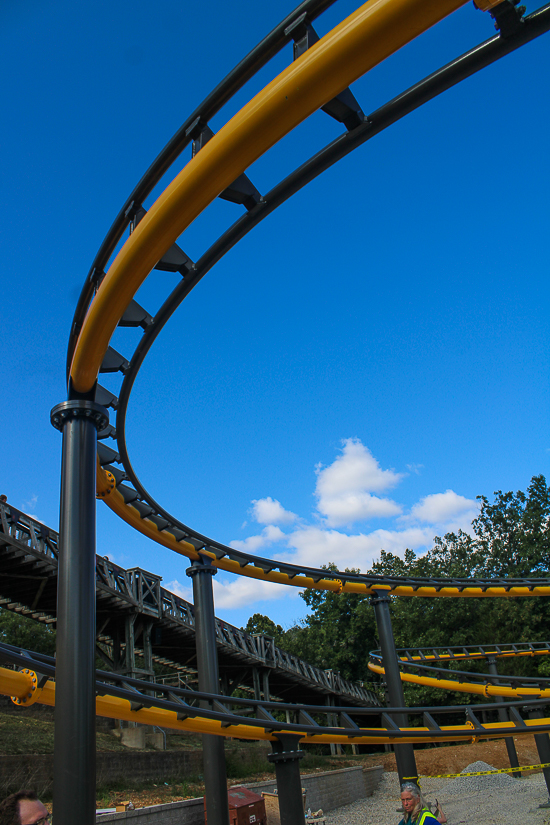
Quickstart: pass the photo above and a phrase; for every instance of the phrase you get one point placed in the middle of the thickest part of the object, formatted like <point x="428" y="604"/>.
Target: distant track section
<point x="422" y="666"/>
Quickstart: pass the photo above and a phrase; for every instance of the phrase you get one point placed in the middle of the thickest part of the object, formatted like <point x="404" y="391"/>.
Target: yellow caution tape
<point x="488" y="773"/>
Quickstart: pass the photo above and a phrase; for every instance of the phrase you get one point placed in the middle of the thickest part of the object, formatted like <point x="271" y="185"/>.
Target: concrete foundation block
<point x="133" y="737"/>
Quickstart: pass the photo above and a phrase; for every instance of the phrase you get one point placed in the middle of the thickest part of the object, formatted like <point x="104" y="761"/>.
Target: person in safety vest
<point x="416" y="813"/>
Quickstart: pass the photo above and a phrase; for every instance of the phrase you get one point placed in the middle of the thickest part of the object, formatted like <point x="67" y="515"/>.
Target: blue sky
<point x="350" y="377"/>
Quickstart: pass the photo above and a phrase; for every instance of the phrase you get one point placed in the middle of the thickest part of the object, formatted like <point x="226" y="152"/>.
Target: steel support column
<point x="130" y="648"/>
<point x="331" y="723"/>
<point x="404" y="754"/>
<point x="286" y="758"/>
<point x="148" y="650"/>
<point x="503" y="717"/>
<point x="542" y="741"/>
<point x="256" y="684"/>
<point x="265" y="682"/>
<point x="74" y="733"/>
<point x="332" y="720"/>
<point x="215" y="778"/>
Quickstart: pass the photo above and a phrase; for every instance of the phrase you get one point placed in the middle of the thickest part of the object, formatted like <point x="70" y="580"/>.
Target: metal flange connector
<point x="105" y="482"/>
<point x="31" y="694"/>
<point x="81" y="408"/>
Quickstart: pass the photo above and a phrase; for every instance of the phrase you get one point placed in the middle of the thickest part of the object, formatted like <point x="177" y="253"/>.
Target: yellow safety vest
<point x="425" y="814"/>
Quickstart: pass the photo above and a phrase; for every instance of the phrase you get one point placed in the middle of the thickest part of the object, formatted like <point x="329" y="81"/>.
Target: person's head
<point x="3" y="498"/>
<point x="23" y="808"/>
<point x="410" y="798"/>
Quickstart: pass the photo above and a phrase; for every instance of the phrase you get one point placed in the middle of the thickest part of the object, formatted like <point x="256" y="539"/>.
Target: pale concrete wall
<point x="332" y="789"/>
<point x="326" y="790"/>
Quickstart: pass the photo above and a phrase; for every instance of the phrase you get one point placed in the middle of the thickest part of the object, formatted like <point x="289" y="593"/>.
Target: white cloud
<point x="346" y="492"/>
<point x="314" y="546"/>
<point x="344" y="487"/>
<point x="442" y="507"/>
<point x="355" y="469"/>
<point x="29" y="506"/>
<point x="183" y="590"/>
<point x="270" y="511"/>
<point x="252" y="544"/>
<point x="121" y="559"/>
<point x="347" y="509"/>
<point x="244" y="591"/>
<point x="241" y="591"/>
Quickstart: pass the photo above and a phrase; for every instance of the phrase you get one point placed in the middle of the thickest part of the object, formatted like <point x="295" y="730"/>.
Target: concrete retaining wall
<point x="326" y="790"/>
<point x="36" y="771"/>
<point x="332" y="789"/>
<point x="189" y="812"/>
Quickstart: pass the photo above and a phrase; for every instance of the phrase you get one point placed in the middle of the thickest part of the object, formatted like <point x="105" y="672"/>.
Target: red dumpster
<point x="245" y="807"/>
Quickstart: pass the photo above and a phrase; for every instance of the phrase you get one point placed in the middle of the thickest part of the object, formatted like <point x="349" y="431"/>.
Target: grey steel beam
<point x="404" y="754"/>
<point x="286" y="758"/>
<point x="256" y="683"/>
<point x="503" y="716"/>
<point x="74" y="733"/>
<point x="215" y="777"/>
<point x="265" y="683"/>
<point x="542" y="741"/>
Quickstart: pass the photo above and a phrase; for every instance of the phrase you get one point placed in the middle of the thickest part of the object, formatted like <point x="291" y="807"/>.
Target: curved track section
<point x="317" y="78"/>
<point x="29" y="555"/>
<point x="120" y="697"/>
<point x="420" y="667"/>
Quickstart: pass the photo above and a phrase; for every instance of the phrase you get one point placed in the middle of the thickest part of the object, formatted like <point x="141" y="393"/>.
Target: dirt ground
<point x="454" y="758"/>
<point x="430" y="762"/>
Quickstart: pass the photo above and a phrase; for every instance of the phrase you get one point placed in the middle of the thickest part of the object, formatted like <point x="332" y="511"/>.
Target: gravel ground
<point x="476" y="800"/>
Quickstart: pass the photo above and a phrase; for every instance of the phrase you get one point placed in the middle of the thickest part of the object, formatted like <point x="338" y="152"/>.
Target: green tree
<point x="514" y="533"/>
<point x="27" y="633"/>
<point x="341" y="630"/>
<point x="258" y="623"/>
<point x="510" y="538"/>
<point x="300" y="642"/>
